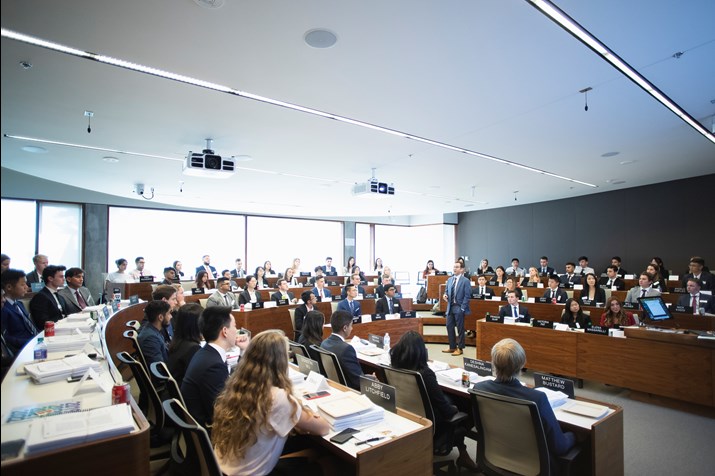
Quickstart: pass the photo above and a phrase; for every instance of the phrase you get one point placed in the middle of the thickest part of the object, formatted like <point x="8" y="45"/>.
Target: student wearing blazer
<point x="383" y="304"/>
<point x="457" y="294"/>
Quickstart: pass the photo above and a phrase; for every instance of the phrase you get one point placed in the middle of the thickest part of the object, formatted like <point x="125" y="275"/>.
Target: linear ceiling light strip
<point x="572" y="26"/>
<point x="225" y="89"/>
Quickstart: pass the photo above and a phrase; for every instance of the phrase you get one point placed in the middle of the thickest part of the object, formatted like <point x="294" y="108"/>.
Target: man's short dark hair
<point x="555" y="277"/>
<point x="221" y="280"/>
<point x="154" y="309"/>
<point x="213" y="319"/>
<point x="169" y="268"/>
<point x="614" y="268"/>
<point x="72" y="272"/>
<point x="389" y="286"/>
<point x="515" y="259"/>
<point x="281" y="280"/>
<point x="137" y="259"/>
<point x="51" y="270"/>
<point x="319" y="278"/>
<point x="163" y="292"/>
<point x="340" y="319"/>
<point x="693" y="280"/>
<point x="543" y="257"/>
<point x="511" y="292"/>
<point x="318" y="268"/>
<point x="583" y="258"/>
<point x="305" y="296"/>
<point x="11" y="277"/>
<point x="571" y="263"/>
<point x="617" y="258"/>
<point x="482" y="276"/>
<point x="328" y="258"/>
<point x="461" y="263"/>
<point x="697" y="260"/>
<point x="348" y="287"/>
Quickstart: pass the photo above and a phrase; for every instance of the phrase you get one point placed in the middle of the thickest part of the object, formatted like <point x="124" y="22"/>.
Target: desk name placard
<point x="379" y="393"/>
<point x="482" y="368"/>
<point x="542" y="323"/>
<point x="597" y="330"/>
<point x="558" y="384"/>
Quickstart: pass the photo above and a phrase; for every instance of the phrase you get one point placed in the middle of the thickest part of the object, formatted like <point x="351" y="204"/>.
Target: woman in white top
<point x="378" y="266"/>
<point x="256" y="411"/>
<point x="260" y="278"/>
<point x="120" y="275"/>
<point x="268" y="267"/>
<point x="290" y="277"/>
<point x="348" y="270"/>
<point x="296" y="266"/>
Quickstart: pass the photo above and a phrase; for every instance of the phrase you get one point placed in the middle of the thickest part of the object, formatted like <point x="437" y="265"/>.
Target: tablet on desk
<point x="655" y="308"/>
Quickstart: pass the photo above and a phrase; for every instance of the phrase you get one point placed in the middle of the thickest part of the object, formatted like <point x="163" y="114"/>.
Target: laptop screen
<point x="655" y="308"/>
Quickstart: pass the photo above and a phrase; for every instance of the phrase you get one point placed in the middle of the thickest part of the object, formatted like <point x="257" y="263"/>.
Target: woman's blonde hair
<point x="243" y="407"/>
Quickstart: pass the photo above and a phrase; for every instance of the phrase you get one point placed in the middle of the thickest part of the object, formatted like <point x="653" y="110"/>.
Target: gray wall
<point x="674" y="220"/>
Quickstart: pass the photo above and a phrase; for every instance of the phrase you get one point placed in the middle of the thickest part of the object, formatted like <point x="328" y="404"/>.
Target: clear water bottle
<point x="386" y="341"/>
<point x="40" y="349"/>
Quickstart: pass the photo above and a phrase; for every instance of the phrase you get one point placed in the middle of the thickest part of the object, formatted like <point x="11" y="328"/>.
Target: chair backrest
<point x="133" y="336"/>
<point x="401" y="277"/>
<point x="149" y="402"/>
<point x="330" y="365"/>
<point x="161" y="372"/>
<point x="134" y="324"/>
<point x="203" y="302"/>
<point x="510" y="435"/>
<point x="298" y="349"/>
<point x="191" y="451"/>
<point x="410" y="392"/>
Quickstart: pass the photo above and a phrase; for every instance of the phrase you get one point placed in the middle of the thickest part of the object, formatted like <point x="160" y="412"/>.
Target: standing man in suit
<point x="207" y="267"/>
<point x="696" y="299"/>
<point x="320" y="291"/>
<point x="223" y="296"/>
<point x="40" y="262"/>
<point x="389" y="304"/>
<point x="355" y="281"/>
<point x="554" y="293"/>
<point x="17" y="327"/>
<point x="612" y="279"/>
<point x="76" y="296"/>
<point x="481" y="289"/>
<point x="583" y="269"/>
<point x="544" y="268"/>
<point x="329" y="268"/>
<point x="695" y="267"/>
<point x="513" y="309"/>
<point x="283" y="292"/>
<point x="644" y="289"/>
<point x="457" y="294"/>
<point x="239" y="272"/>
<point x="570" y="277"/>
<point x="47" y="305"/>
<point x="341" y="323"/>
<point x="207" y="372"/>
<point x="309" y="300"/>
<point x="349" y="304"/>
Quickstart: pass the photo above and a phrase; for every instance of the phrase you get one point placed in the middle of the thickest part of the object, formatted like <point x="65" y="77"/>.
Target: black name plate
<point x="558" y="384"/>
<point x="597" y="330"/>
<point x="257" y="305"/>
<point x="197" y="291"/>
<point x="497" y="319"/>
<point x="377" y="340"/>
<point x="543" y="323"/>
<point x="134" y="299"/>
<point x="146" y="279"/>
<point x="480" y="367"/>
<point x="283" y="302"/>
<point x="378" y="317"/>
<point x="379" y="393"/>
<point x="407" y="314"/>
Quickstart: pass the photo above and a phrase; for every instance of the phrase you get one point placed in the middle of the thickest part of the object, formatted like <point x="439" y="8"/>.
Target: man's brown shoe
<point x="457" y="352"/>
<point x="449" y="351"/>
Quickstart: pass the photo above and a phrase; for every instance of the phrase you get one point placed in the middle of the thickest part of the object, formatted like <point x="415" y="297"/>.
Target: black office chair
<point x="330" y="365"/>
<point x="511" y="439"/>
<point x="411" y="395"/>
<point x="133" y="336"/>
<point x="171" y="387"/>
<point x="298" y="349"/>
<point x="191" y="450"/>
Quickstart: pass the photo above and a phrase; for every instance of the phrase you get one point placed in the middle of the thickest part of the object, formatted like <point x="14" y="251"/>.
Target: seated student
<point x="484" y="267"/>
<point x="510" y="285"/>
<point x="429" y="269"/>
<point x="257" y="411"/>
<point x="380" y="290"/>
<point x="223" y="296"/>
<point x="283" y="292"/>
<point x="356" y="270"/>
<point x="312" y="332"/>
<point x="569" y="278"/>
<point x="289" y="276"/>
<point x="515" y="269"/>
<point x="328" y="268"/>
<point x="615" y="316"/>
<point x="348" y="268"/>
<point x="169" y="276"/>
<point x="513" y="309"/>
<point x="481" y="288"/>
<point x="583" y="268"/>
<point x="644" y="288"/>
<point x="508" y="358"/>
<point x="47" y="305"/>
<point x="309" y="299"/>
<point x="203" y="280"/>
<point x="697" y="271"/>
<point x="612" y="279"/>
<point x="591" y="294"/>
<point x="616" y="261"/>
<point x="17" y="327"/>
<point x="388" y="304"/>
<point x="320" y="291"/>
<point x="152" y="341"/>
<point x="318" y="272"/>
<point x="268" y="268"/>
<point x="250" y="294"/>
<point x="186" y="341"/>
<point x="207" y="372"/>
<point x="260" y="275"/>
<point x="533" y="279"/>
<point x="378" y="268"/>
<point x="544" y="268"/>
<point x="499" y="277"/>
<point x="410" y="353"/>
<point x="76" y="295"/>
<point x="573" y="315"/>
<point x="658" y="283"/>
<point x="553" y="292"/>
<point x="386" y="273"/>
<point x="355" y="281"/>
<point x="341" y="323"/>
<point x="349" y="304"/>
<point x="696" y="299"/>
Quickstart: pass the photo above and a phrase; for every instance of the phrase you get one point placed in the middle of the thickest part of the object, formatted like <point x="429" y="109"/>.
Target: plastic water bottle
<point x="40" y="349"/>
<point x="386" y="341"/>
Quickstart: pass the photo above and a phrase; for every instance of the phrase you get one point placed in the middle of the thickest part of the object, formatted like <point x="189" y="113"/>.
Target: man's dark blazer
<point x="235" y="274"/>
<point x="618" y="283"/>
<point x="575" y="279"/>
<point x="622" y="272"/>
<point x="71" y="304"/>
<point x="16" y="329"/>
<point x="505" y="311"/>
<point x="180" y="356"/>
<point x="347" y="357"/>
<point x="205" y="378"/>
<point x="706" y="281"/>
<point x="488" y="292"/>
<point x="276" y="296"/>
<point x="381" y="306"/>
<point x="325" y="290"/>
<point x="344" y="292"/>
<point x="558" y="442"/>
<point x="33" y="277"/>
<point x="560" y="295"/>
<point x="705" y="300"/>
<point x="43" y="308"/>
<point x="327" y="270"/>
<point x="299" y="316"/>
<point x="461" y="296"/>
<point x="344" y="305"/>
<point x="549" y="271"/>
<point x="213" y="271"/>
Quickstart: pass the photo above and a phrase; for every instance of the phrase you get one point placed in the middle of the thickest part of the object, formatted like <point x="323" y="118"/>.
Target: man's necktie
<point x="389" y="306"/>
<point x="352" y="310"/>
<point x="80" y="300"/>
<point x="454" y="290"/>
<point x="28" y="322"/>
<point x="481" y="290"/>
<point x="225" y="298"/>
<point x="514" y="313"/>
<point x="141" y="273"/>
<point x="695" y="304"/>
<point x="643" y="291"/>
<point x="610" y="283"/>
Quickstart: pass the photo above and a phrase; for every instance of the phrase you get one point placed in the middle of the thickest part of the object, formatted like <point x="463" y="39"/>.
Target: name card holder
<point x="679" y="290"/>
<point x="369" y="296"/>
<point x="543" y="300"/>
<point x="597" y="330"/>
<point x="331" y="273"/>
<point x="378" y="317"/>
<point x="542" y="323"/>
<point x="257" y="305"/>
<point x="441" y="273"/>
<point x="379" y="393"/>
<point x="482" y="368"/>
<point x="146" y="279"/>
<point x="686" y="309"/>
<point x="378" y="340"/>
<point x="357" y="319"/>
<point x="407" y="314"/>
<point x="558" y="384"/>
<point x="333" y="283"/>
<point x="496" y="319"/>
<point x="195" y="291"/>
<point x="304" y="273"/>
<point x="283" y="302"/>
<point x="629" y="305"/>
<point x="134" y="299"/>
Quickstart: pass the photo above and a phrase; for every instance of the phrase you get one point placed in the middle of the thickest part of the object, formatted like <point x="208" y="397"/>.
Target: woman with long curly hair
<point x="256" y="411"/>
<point x="615" y="316"/>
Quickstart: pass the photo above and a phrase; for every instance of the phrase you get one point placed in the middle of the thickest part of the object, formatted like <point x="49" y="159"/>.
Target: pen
<point x="369" y="440"/>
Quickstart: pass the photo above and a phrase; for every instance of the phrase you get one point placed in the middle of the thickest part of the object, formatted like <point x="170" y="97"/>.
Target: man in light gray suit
<point x="223" y="296"/>
<point x="644" y="288"/>
<point x="76" y="296"/>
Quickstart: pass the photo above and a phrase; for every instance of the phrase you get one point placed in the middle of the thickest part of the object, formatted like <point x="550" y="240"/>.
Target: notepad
<point x="587" y="409"/>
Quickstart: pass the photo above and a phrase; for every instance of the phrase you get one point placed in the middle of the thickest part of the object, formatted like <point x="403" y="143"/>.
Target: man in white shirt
<point x="644" y="288"/>
<point x="283" y="293"/>
<point x="514" y="269"/>
<point x="696" y="299"/>
<point x="583" y="268"/>
<point x="320" y="291"/>
<point x="207" y="267"/>
<point x="223" y="296"/>
<point x="140" y="270"/>
<point x="570" y="277"/>
<point x="239" y="272"/>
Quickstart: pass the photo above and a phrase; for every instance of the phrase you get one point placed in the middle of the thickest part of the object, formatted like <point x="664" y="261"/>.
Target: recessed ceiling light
<point x="110" y="160"/>
<point x="320" y="38"/>
<point x="627" y="162"/>
<point x="610" y="154"/>
<point x="33" y="149"/>
<point x="242" y="158"/>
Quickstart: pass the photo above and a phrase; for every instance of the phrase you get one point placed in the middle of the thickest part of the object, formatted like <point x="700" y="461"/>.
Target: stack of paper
<point x="66" y="326"/>
<point x="437" y="366"/>
<point x="65" y="343"/>
<point x="53" y="432"/>
<point x="556" y="398"/>
<point x="297" y="378"/>
<point x="79" y="316"/>
<point x="350" y="410"/>
<point x="453" y="376"/>
<point x="587" y="409"/>
<point x="371" y="351"/>
<point x="55" y="370"/>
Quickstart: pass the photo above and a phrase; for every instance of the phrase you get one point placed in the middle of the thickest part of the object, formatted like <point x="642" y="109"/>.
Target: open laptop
<point x="305" y="365"/>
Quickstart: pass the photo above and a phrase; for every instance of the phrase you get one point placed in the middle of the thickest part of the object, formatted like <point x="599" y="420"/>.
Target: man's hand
<point x="242" y="341"/>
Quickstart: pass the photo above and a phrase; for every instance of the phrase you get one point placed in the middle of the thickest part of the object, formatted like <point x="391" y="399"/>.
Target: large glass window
<point x="280" y="240"/>
<point x="162" y="237"/>
<point x="363" y="247"/>
<point x="60" y="234"/>
<point x="18" y="232"/>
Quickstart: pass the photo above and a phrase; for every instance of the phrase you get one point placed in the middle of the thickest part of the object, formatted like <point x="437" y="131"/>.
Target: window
<point x="60" y="234"/>
<point x="18" y="231"/>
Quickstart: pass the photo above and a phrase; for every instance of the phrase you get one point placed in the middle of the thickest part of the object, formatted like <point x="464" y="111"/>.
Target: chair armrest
<point x="571" y="455"/>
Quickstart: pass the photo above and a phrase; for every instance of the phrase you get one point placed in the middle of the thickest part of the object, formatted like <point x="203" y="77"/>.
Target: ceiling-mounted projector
<point x="373" y="186"/>
<point x="208" y="164"/>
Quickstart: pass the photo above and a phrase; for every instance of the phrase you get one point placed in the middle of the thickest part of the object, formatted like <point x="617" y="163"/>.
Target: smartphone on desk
<point x="344" y="435"/>
<point x="314" y="395"/>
